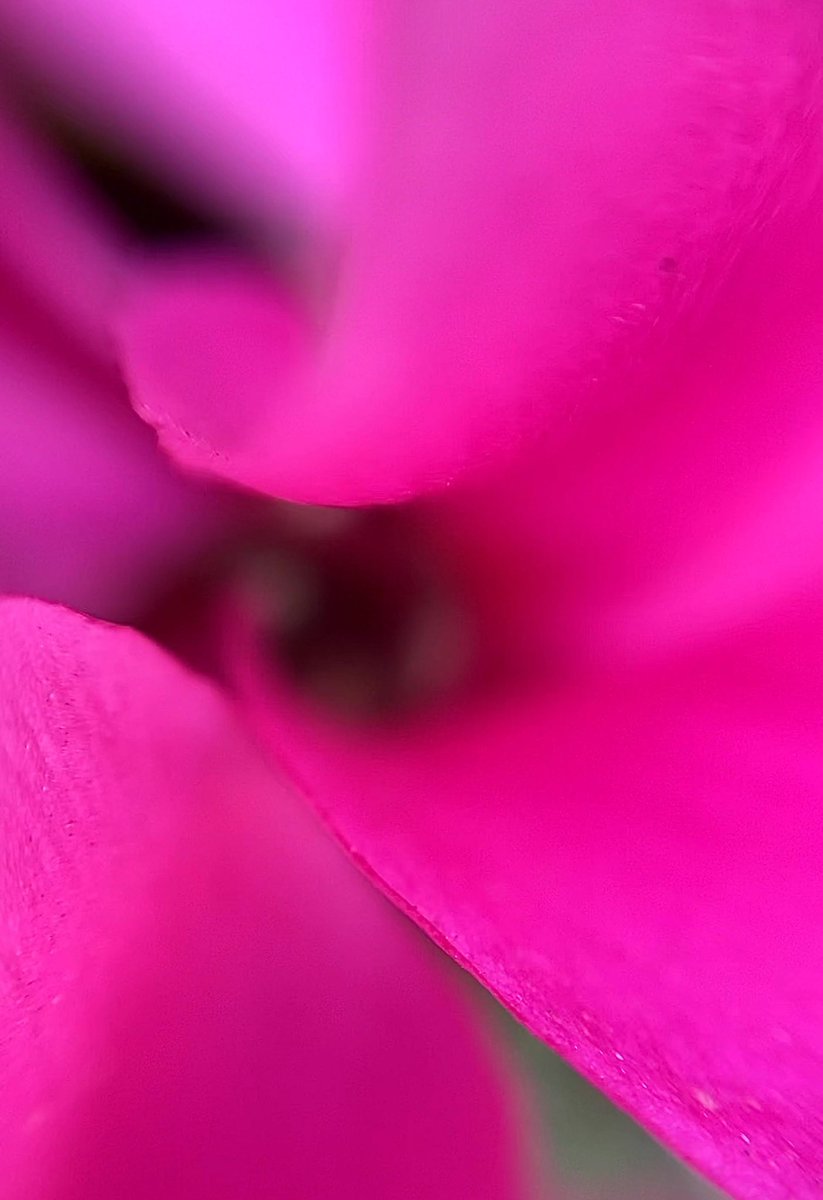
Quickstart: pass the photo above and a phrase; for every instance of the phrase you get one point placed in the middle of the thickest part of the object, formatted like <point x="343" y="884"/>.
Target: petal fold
<point x="199" y="996"/>
<point x="90" y="514"/>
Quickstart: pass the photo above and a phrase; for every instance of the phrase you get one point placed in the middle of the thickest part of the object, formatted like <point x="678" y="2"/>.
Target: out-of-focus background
<point x="599" y="1152"/>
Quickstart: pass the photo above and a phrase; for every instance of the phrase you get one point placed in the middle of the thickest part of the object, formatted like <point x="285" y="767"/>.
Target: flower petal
<point x="200" y="997"/>
<point x="687" y="512"/>
<point x="631" y="865"/>
<point x="550" y="192"/>
<point x="209" y="344"/>
<point x="55" y="244"/>
<point x="90" y="513"/>
<point x="695" y="513"/>
<point x="244" y="103"/>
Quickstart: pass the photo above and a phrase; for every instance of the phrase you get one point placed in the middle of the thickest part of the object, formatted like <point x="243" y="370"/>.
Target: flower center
<point x="359" y="611"/>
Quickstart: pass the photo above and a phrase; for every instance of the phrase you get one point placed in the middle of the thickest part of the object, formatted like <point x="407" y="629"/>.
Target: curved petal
<point x="550" y="190"/>
<point x="692" y="510"/>
<point x="553" y="187"/>
<point x="632" y="866"/>
<point x="200" y="997"/>
<point x="209" y="343"/>
<point x="90" y="513"/>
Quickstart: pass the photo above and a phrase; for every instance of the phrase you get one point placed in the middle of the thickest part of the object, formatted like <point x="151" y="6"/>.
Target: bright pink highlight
<point x="547" y="193"/>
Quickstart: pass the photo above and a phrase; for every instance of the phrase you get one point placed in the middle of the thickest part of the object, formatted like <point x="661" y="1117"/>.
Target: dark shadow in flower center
<point x="359" y="611"/>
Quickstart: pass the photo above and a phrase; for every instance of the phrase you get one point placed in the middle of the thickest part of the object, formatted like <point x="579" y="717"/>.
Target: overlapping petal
<point x="199" y="995"/>
<point x="620" y="832"/>
<point x="252" y="105"/>
<point x="56" y="245"/>
<point x="548" y="191"/>
<point x="569" y="212"/>
<point x="631" y="865"/>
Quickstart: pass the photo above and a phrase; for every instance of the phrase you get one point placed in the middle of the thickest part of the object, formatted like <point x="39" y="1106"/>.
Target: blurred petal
<point x="90" y="513"/>
<point x="550" y="192"/>
<point x="55" y="245"/>
<point x="693" y="509"/>
<point x="200" y="996"/>
<point x="632" y="866"/>
<point x="246" y="103"/>
<point x="555" y="185"/>
<point x="210" y="344"/>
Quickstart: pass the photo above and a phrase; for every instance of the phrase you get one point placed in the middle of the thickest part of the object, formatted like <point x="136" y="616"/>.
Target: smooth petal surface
<point x="209" y="346"/>
<point x="682" y="521"/>
<point x="550" y="190"/>
<point x="90" y="513"/>
<point x="671" y="520"/>
<point x="55" y="244"/>
<point x="632" y="866"/>
<point x="200" y="997"/>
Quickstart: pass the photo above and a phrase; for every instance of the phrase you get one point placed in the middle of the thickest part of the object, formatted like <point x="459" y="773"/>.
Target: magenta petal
<point x="199" y="996"/>
<point x="556" y="186"/>
<point x="633" y="867"/>
<point x="54" y="243"/>
<point x="550" y="192"/>
<point x="246" y="103"/>
<point x="90" y="514"/>
<point x="675" y="523"/>
<point x="211" y="346"/>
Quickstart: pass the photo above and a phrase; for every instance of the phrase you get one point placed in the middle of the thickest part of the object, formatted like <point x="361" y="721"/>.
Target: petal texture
<point x="199" y="995"/>
<point x="622" y="837"/>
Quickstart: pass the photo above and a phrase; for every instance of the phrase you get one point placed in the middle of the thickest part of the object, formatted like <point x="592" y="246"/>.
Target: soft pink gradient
<point x="199" y="995"/>
<point x="89" y="513"/>
<point x="621" y="834"/>
<point x="630" y="862"/>
<point x="546" y="192"/>
<point x="255" y="104"/>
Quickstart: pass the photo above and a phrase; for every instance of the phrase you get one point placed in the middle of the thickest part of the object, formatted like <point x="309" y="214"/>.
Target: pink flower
<point x="579" y="284"/>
